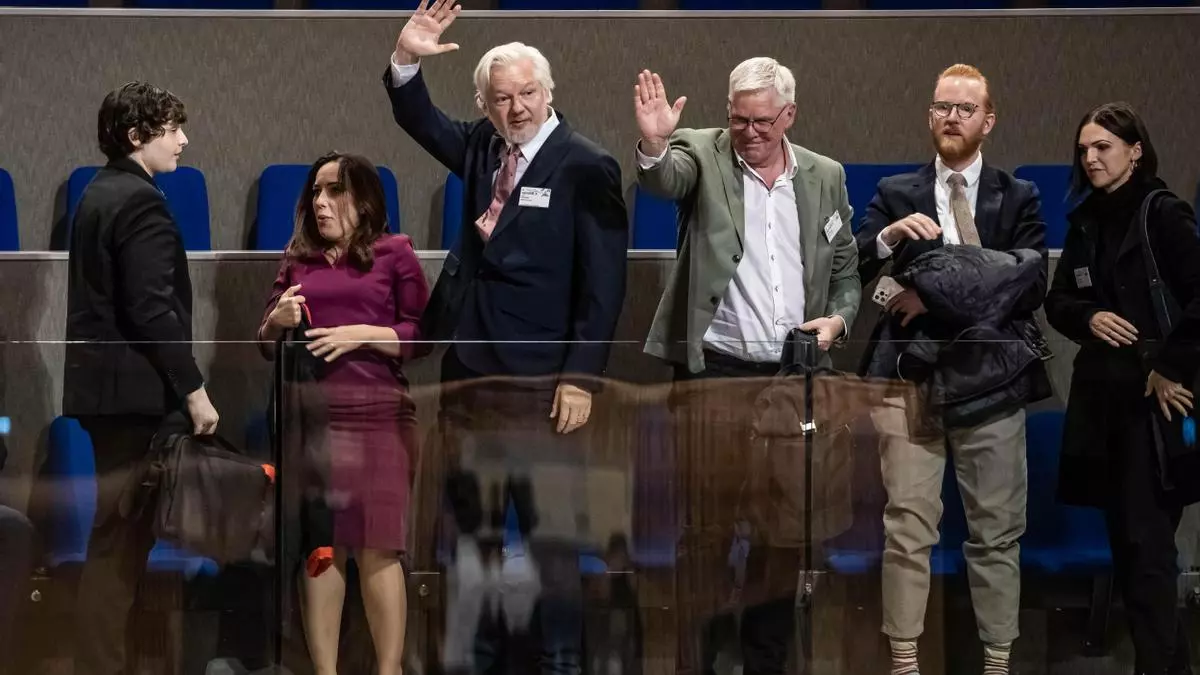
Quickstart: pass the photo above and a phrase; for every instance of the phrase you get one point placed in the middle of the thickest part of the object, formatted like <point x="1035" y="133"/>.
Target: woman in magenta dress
<point x="364" y="291"/>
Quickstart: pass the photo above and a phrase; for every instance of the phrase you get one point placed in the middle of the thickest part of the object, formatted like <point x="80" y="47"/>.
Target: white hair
<point x="763" y="72"/>
<point x="513" y="52"/>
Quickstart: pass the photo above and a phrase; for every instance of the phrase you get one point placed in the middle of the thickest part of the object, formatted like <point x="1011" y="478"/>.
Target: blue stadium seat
<point x="77" y="182"/>
<point x="566" y="4"/>
<point x="862" y="181"/>
<point x="936" y="4"/>
<point x="187" y="199"/>
<point x="71" y="468"/>
<point x="10" y="237"/>
<point x="655" y="224"/>
<point x="452" y="211"/>
<point x="279" y="190"/>
<point x="1058" y="538"/>
<point x="201" y="4"/>
<point x="749" y="4"/>
<point x="1054" y="183"/>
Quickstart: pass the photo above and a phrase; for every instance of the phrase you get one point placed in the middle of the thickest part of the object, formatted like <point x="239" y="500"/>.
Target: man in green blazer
<point x="766" y="241"/>
<point x="765" y="247"/>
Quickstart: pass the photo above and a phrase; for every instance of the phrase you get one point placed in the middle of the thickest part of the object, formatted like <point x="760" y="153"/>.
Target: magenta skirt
<point x="373" y="450"/>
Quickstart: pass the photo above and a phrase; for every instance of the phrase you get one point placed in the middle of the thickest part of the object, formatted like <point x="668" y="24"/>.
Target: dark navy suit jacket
<point x="1007" y="216"/>
<point x="542" y="296"/>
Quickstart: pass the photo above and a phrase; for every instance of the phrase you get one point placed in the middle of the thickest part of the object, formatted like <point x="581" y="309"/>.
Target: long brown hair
<point x="364" y="190"/>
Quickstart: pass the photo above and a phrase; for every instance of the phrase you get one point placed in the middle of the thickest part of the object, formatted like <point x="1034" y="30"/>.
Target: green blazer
<point x="700" y="172"/>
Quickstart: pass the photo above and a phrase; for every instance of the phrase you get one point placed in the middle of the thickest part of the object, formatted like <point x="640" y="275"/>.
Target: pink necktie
<point x="505" y="181"/>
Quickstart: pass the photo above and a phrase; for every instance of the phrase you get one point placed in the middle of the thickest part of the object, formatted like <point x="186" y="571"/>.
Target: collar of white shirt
<point x="789" y="170"/>
<point x="530" y="149"/>
<point x="971" y="173"/>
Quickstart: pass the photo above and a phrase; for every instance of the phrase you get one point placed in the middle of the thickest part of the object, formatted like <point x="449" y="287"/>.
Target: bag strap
<point x="1158" y="290"/>
<point x="221" y="443"/>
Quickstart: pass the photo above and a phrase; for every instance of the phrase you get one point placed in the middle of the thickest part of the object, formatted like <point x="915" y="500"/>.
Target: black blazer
<point x="551" y="278"/>
<point x="1007" y="216"/>
<point x="129" y="301"/>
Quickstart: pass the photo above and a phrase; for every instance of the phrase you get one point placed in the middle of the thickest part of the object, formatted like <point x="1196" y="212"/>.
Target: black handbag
<point x="211" y="500"/>
<point x="300" y="422"/>
<point x="1175" y="440"/>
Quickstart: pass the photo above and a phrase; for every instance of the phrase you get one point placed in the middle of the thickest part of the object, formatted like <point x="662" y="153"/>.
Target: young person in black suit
<point x="531" y="290"/>
<point x="129" y="359"/>
<point x="1127" y="371"/>
<point x="957" y="199"/>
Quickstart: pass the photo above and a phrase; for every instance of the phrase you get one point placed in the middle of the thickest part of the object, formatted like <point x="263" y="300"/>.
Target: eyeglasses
<point x="762" y="126"/>
<point x="944" y="108"/>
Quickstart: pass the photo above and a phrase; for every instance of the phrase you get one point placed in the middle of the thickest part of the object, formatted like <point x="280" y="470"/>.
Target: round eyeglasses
<point x="944" y="108"/>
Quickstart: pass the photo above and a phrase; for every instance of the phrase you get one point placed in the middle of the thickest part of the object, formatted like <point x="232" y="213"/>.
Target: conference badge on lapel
<point x="1083" y="277"/>
<point x="535" y="197"/>
<point x="832" y="226"/>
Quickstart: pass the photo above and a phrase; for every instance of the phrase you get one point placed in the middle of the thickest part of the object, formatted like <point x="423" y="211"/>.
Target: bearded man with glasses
<point x="955" y="200"/>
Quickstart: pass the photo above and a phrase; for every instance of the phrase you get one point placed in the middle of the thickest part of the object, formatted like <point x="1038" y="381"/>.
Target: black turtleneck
<point x="1114" y="214"/>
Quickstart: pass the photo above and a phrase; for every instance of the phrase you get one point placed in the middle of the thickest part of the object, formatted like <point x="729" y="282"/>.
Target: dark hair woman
<point x="364" y="292"/>
<point x="1127" y="371"/>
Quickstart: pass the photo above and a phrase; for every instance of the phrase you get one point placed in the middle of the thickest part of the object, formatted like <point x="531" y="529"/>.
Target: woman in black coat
<point x="1126" y="371"/>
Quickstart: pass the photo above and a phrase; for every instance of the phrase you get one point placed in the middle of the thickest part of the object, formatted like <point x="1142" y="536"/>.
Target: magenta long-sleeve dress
<point x="372" y="419"/>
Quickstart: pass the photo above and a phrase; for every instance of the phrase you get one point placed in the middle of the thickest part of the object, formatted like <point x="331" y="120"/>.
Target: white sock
<point x="995" y="658"/>
<point x="904" y="657"/>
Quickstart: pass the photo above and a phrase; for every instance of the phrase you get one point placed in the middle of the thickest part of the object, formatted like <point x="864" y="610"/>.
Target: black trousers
<point x="16" y="564"/>
<point x="1141" y="531"/>
<point x="118" y="547"/>
<point x="768" y="628"/>
<point x="471" y="413"/>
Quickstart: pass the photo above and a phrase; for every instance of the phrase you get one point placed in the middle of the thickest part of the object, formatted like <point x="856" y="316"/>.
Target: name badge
<point x="535" y="197"/>
<point x="832" y="226"/>
<point x="1083" y="277"/>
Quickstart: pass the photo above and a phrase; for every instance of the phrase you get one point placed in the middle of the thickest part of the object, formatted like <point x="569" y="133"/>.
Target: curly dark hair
<point x="140" y="106"/>
<point x="360" y="182"/>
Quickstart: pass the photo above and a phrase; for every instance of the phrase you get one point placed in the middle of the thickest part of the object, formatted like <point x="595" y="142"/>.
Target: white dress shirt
<point x="765" y="298"/>
<point x="401" y="75"/>
<point x="941" y="195"/>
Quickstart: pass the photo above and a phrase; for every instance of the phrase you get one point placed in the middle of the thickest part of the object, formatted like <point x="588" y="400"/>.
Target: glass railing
<point x="756" y="514"/>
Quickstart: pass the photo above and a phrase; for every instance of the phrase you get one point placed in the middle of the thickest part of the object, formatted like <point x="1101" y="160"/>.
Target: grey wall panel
<point x="286" y="89"/>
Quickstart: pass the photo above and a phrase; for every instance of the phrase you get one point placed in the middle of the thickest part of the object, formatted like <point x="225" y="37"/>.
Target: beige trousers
<point x="989" y="462"/>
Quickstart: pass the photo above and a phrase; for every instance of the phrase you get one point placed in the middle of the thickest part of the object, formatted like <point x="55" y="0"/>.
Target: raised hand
<point x="656" y="117"/>
<point x="421" y="36"/>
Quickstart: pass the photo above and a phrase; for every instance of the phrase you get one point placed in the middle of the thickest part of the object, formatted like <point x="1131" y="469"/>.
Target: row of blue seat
<point x="741" y="5"/>
<point x="186" y="191"/>
<point x="653" y="223"/>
